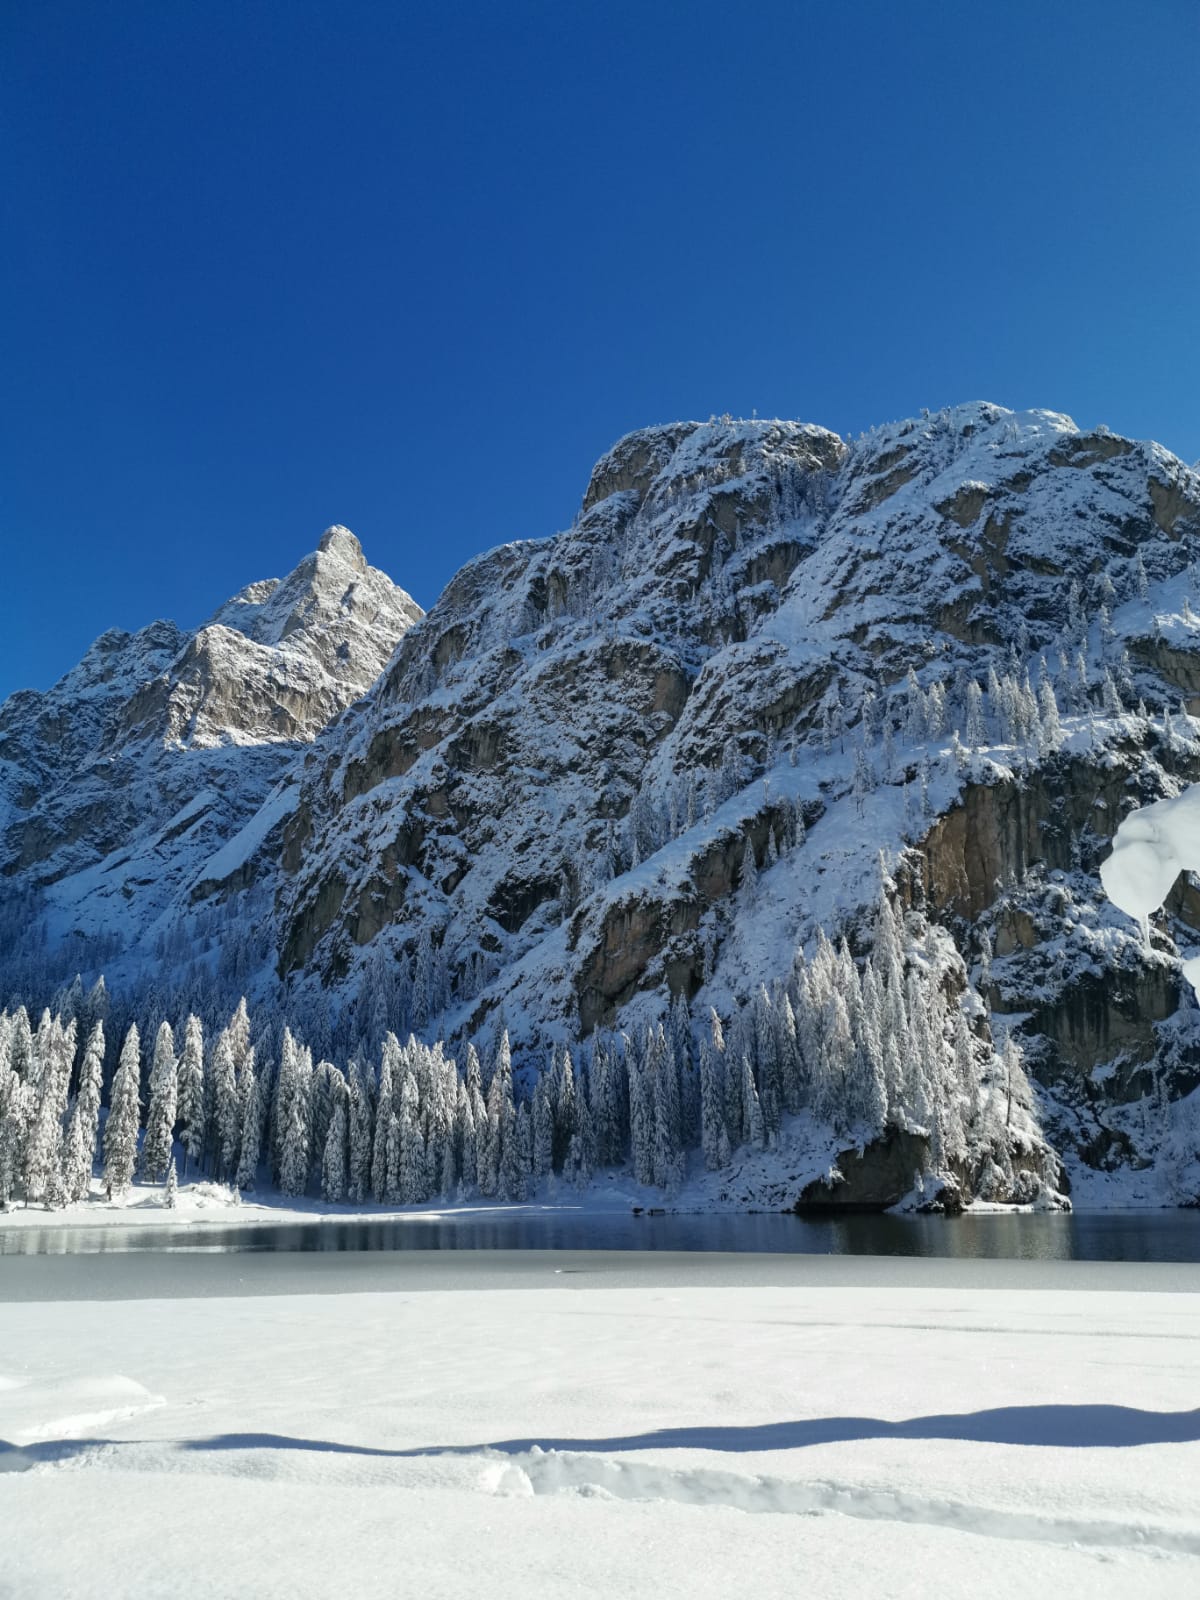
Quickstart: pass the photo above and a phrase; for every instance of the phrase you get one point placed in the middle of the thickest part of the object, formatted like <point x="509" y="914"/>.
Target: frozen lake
<point x="1098" y="1236"/>
<point x="1154" y="1251"/>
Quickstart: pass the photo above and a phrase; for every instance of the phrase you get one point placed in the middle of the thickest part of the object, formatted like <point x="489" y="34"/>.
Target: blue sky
<point x="274" y="265"/>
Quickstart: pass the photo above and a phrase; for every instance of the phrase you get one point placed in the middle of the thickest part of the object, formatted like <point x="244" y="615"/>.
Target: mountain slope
<point x="120" y="781"/>
<point x="554" y="783"/>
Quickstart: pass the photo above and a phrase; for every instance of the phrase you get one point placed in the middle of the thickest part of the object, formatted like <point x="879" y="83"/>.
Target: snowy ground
<point x="197" y="1203"/>
<point x="617" y="1441"/>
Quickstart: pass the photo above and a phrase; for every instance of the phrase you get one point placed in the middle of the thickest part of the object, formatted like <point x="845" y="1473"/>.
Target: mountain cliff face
<point x="119" y="783"/>
<point x="657" y="754"/>
<point x="555" y="780"/>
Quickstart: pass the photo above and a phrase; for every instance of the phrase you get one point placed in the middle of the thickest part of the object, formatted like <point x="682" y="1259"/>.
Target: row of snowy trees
<point x="859" y="1046"/>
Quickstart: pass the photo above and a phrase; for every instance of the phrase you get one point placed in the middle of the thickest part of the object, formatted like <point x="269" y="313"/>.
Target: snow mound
<point x="1152" y="846"/>
<point x="67" y="1407"/>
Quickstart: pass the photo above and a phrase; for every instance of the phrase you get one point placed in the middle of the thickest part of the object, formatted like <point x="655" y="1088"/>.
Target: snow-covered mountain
<point x="655" y="755"/>
<point x="121" y="783"/>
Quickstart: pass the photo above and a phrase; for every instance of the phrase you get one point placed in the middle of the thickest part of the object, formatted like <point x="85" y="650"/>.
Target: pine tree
<point x="753" y="1131"/>
<point x="412" y="1144"/>
<point x="85" y="1117"/>
<point x="936" y="711"/>
<point x="251" y="1129"/>
<point x="1051" y="727"/>
<point x="191" y="1092"/>
<point x="748" y="882"/>
<point x="379" y="1160"/>
<point x="226" y="1123"/>
<point x="976" y="731"/>
<point x="333" y="1161"/>
<point x="641" y="1121"/>
<point x="160" y="1119"/>
<point x="394" y="1147"/>
<point x="13" y="1115"/>
<point x="915" y="716"/>
<point x="361" y="1129"/>
<point x="121" y="1129"/>
<point x="170" y="1187"/>
<point x="543" y="1130"/>
<point x="54" y="1054"/>
<point x="712" y="1105"/>
<point x="293" y="1170"/>
<point x="466" y="1121"/>
<point x="423" y="997"/>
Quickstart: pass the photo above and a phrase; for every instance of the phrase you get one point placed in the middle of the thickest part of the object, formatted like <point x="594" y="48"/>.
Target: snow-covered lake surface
<point x="1051" y="1236"/>
<point x="598" y="1432"/>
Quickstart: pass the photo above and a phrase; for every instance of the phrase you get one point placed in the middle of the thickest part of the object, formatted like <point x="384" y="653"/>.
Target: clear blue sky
<point x="273" y="264"/>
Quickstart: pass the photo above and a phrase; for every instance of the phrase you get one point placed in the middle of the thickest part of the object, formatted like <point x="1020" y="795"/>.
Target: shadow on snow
<point x="1060" y="1426"/>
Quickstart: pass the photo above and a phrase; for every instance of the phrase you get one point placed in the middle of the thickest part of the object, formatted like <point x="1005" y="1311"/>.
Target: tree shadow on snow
<point x="1060" y="1426"/>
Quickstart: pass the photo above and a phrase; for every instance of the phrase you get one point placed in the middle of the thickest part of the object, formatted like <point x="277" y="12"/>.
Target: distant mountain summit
<point x="118" y="782"/>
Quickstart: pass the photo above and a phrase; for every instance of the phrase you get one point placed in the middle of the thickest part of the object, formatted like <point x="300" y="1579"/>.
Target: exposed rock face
<point x="868" y="1180"/>
<point x="124" y="779"/>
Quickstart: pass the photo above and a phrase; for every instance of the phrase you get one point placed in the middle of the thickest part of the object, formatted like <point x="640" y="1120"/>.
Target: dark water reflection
<point x="1111" y="1236"/>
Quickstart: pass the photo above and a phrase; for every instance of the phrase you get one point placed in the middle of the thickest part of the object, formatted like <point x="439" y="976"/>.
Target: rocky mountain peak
<point x="339" y="542"/>
<point x="118" y="783"/>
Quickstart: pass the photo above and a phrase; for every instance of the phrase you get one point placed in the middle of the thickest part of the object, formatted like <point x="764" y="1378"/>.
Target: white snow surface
<point x="247" y="840"/>
<point x="1152" y="846"/>
<point x="582" y="1439"/>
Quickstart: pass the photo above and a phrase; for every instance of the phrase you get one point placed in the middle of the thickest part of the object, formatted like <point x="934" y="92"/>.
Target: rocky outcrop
<point x="870" y="1179"/>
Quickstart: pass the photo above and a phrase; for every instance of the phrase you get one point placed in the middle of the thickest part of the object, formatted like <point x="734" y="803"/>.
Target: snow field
<point x="575" y="1440"/>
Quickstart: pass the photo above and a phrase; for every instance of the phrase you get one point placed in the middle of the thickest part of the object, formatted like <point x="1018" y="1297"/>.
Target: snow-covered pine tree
<point x="361" y="1111"/>
<point x="121" y="1129"/>
<point x="191" y="1093"/>
<point x="423" y="998"/>
<point x="251" y="1128"/>
<point x="226" y="1121"/>
<point x="13" y="1117"/>
<point x="170" y="1186"/>
<point x="753" y="1131"/>
<point x="333" y="1161"/>
<point x="770" y="1070"/>
<point x="294" y="1152"/>
<point x="54" y="1055"/>
<point x="976" y="730"/>
<point x="465" y="1117"/>
<point x="412" y="1143"/>
<point x="83" y="1130"/>
<point x="543" y="1130"/>
<point x="915" y="716"/>
<point x="160" y="1119"/>
<point x="712" y="1105"/>
<point x="748" y="880"/>
<point x="379" y="1161"/>
<point x="641" y="1119"/>
<point x="389" y="1119"/>
<point x="936" y="711"/>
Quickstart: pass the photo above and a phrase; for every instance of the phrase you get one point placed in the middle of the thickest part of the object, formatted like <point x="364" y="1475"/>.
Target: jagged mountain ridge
<point x="148" y="757"/>
<point x="548" y="793"/>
